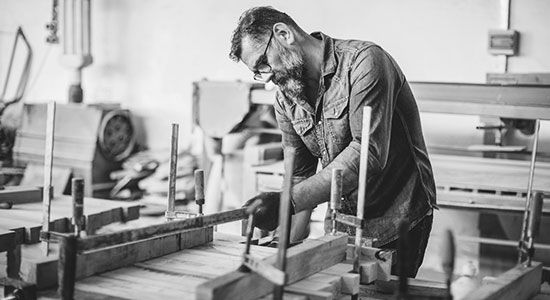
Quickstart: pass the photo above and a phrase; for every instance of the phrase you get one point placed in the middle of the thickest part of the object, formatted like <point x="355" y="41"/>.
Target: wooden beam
<point x="19" y="195"/>
<point x="43" y="270"/>
<point x="303" y="260"/>
<point x="524" y="102"/>
<point x="516" y="284"/>
<point x="131" y="235"/>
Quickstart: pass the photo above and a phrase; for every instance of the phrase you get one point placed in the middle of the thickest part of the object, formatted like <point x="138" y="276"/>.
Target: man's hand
<point x="266" y="214"/>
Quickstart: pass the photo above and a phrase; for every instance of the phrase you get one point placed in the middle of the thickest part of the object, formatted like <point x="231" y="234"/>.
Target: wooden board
<point x="21" y="194"/>
<point x="129" y="235"/>
<point x="518" y="283"/>
<point x="303" y="260"/>
<point x="42" y="271"/>
<point x="27" y="217"/>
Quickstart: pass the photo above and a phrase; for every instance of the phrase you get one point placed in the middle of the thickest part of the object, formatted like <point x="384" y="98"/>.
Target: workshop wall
<point x="147" y="53"/>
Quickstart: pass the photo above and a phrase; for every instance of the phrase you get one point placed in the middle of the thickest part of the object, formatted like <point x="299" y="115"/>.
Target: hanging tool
<point x="48" y="162"/>
<point x="448" y="260"/>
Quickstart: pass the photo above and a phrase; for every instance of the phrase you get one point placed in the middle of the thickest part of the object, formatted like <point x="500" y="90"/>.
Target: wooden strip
<point x="19" y="195"/>
<point x="130" y="235"/>
<point x="516" y="284"/>
<point x="302" y="260"/>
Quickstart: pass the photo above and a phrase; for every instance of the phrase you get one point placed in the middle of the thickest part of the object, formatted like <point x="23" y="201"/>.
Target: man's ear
<point x="284" y="34"/>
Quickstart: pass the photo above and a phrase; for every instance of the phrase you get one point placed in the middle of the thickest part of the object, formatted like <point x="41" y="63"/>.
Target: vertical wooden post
<point x="285" y="217"/>
<point x="77" y="191"/>
<point x="66" y="267"/>
<point x="48" y="163"/>
<point x="362" y="193"/>
<point x="170" y="212"/>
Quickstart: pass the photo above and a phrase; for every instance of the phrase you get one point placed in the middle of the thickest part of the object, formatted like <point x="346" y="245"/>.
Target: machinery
<point x="91" y="141"/>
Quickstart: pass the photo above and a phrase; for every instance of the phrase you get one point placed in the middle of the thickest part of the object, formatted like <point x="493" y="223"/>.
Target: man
<point x="323" y="85"/>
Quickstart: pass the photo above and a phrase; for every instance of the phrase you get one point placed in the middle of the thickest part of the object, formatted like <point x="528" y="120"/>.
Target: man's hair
<point x="257" y="23"/>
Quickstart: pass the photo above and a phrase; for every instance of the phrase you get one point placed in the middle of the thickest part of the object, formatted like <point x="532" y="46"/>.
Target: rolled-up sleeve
<point x="372" y="83"/>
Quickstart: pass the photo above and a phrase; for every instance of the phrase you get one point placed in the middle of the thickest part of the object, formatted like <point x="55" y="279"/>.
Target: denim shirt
<point x="400" y="184"/>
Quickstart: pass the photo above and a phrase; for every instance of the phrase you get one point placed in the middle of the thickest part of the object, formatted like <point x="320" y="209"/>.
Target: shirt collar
<point x="329" y="57"/>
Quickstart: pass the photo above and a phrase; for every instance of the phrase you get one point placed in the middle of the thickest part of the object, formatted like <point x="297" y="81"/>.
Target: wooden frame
<point x="519" y="283"/>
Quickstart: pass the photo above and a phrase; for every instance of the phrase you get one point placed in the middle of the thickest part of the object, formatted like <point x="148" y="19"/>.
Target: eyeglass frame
<point x="262" y="60"/>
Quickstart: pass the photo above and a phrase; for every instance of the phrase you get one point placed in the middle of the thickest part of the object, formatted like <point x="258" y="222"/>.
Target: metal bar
<point x="48" y="163"/>
<point x="534" y="224"/>
<point x="284" y="217"/>
<point x="77" y="191"/>
<point x="335" y="196"/>
<point x="362" y="193"/>
<point x="173" y="173"/>
<point x="530" y="186"/>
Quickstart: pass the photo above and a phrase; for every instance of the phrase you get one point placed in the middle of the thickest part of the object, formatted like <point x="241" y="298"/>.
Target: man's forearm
<point x="316" y="189"/>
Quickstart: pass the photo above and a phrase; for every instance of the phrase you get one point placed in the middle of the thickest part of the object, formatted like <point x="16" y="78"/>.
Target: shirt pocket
<point x="337" y="119"/>
<point x="304" y="128"/>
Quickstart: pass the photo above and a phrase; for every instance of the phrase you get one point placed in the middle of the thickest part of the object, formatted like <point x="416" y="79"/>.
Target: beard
<point x="290" y="80"/>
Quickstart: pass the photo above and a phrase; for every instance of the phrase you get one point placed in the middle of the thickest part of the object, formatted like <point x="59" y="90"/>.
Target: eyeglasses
<point x="263" y="69"/>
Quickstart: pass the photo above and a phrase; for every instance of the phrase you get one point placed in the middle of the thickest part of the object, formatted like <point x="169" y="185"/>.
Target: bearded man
<point x="324" y="83"/>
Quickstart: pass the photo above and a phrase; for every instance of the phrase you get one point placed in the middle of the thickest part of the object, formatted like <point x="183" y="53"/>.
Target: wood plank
<point x="43" y="270"/>
<point x="131" y="235"/>
<point x="516" y="284"/>
<point x="521" y="101"/>
<point x="302" y="260"/>
<point x="28" y="216"/>
<point x="21" y="194"/>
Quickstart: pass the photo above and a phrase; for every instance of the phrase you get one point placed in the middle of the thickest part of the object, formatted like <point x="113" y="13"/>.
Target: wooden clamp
<point x="362" y="193"/>
<point x="284" y="218"/>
